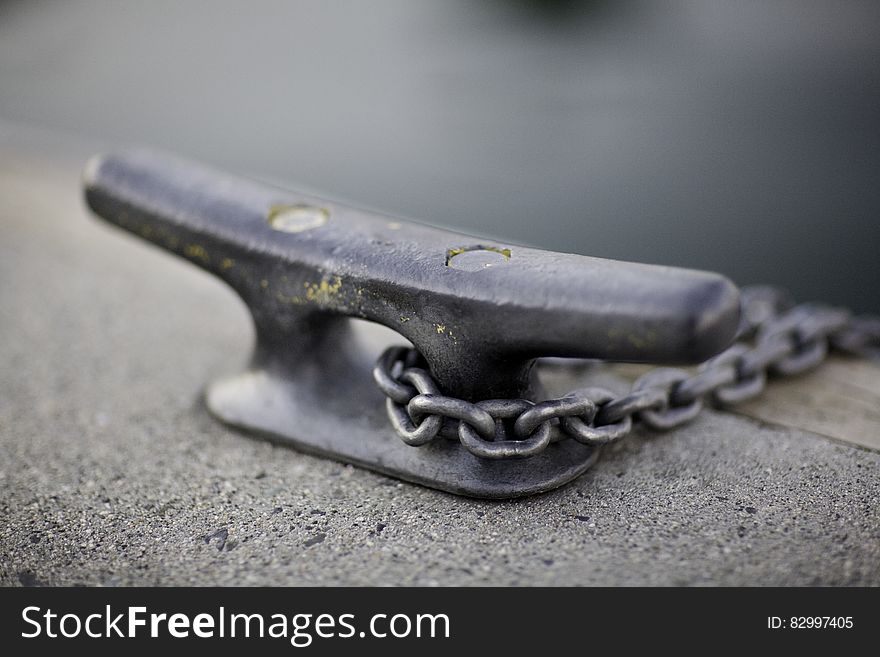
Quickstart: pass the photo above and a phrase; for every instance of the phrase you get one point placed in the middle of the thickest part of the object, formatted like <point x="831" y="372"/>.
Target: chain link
<point x="774" y="338"/>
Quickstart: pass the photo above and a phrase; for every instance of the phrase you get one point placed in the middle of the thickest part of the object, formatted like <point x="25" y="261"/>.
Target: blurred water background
<point x="741" y="137"/>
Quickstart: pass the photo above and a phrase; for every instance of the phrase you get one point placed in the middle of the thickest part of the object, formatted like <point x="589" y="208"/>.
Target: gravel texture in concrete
<point x="112" y="472"/>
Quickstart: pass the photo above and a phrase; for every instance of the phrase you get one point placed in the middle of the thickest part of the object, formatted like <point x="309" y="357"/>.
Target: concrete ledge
<point x="113" y="474"/>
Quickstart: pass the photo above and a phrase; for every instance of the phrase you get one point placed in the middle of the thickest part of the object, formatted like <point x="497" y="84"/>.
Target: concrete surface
<point x="112" y="473"/>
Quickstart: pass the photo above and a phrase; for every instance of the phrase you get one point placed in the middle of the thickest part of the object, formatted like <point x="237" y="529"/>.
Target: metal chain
<point x="774" y="338"/>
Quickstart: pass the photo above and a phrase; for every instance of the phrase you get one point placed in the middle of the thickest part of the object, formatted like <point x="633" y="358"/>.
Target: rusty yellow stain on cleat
<point x="323" y="292"/>
<point x="294" y="300"/>
<point x="196" y="252"/>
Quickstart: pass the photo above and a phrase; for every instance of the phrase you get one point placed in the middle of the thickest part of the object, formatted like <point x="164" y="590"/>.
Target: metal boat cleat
<point x="480" y="312"/>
